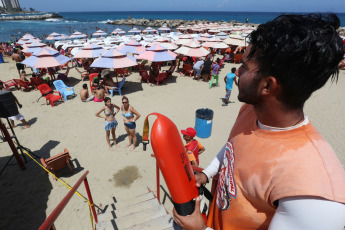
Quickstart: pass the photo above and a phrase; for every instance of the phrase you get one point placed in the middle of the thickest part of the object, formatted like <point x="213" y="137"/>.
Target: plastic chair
<point x="238" y="58"/>
<point x="36" y="81"/>
<point x="92" y="76"/>
<point x="117" y="89"/>
<point x="48" y="94"/>
<point x="24" y="84"/>
<point x="144" y="76"/>
<point x="10" y="83"/>
<point x="63" y="89"/>
<point x="161" y="78"/>
<point x="188" y="69"/>
<point x="58" y="162"/>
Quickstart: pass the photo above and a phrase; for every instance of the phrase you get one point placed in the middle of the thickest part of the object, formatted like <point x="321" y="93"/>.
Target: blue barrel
<point x="203" y="122"/>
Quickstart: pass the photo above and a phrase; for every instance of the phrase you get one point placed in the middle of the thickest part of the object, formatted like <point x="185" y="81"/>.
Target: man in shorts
<point x="197" y="68"/>
<point x="16" y="57"/>
<point x="229" y="81"/>
<point x="18" y="117"/>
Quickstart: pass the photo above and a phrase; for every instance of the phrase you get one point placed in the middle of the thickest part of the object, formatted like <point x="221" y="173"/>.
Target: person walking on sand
<point x="110" y="121"/>
<point x="129" y="120"/>
<point x="214" y="74"/>
<point x="229" y="80"/>
<point x="17" y="58"/>
<point x="17" y="117"/>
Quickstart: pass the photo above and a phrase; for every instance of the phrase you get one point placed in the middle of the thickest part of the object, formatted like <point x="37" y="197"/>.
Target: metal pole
<point x="90" y="199"/>
<point x="49" y="222"/>
<point x="158" y="188"/>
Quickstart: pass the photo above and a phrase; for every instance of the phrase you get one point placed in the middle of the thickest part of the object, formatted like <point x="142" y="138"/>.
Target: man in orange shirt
<point x="276" y="171"/>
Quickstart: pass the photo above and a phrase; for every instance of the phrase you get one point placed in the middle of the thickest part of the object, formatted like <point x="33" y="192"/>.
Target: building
<point x="10" y="4"/>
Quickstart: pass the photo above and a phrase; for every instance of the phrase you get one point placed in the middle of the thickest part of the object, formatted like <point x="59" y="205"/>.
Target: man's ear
<point x="269" y="86"/>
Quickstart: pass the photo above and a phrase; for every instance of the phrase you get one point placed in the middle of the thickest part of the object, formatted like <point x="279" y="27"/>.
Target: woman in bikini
<point x="110" y="121"/>
<point x="129" y="119"/>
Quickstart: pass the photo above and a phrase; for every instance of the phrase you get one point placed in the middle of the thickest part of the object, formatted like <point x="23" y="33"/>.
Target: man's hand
<point x="195" y="221"/>
<point x="20" y="106"/>
<point x="201" y="179"/>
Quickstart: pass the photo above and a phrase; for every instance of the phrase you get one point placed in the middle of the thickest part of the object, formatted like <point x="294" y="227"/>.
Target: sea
<point x="89" y="22"/>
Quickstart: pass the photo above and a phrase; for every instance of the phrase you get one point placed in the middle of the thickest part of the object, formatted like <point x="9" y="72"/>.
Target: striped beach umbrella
<point x="132" y="47"/>
<point x="45" y="58"/>
<point x="78" y="35"/>
<point x="192" y="49"/>
<point x="33" y="47"/>
<point x="134" y="30"/>
<point x="90" y="51"/>
<point x="114" y="59"/>
<point x="99" y="33"/>
<point x="157" y="53"/>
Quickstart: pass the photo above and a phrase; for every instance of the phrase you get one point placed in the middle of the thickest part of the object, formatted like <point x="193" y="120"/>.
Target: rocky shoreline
<point x="171" y="23"/>
<point x="29" y="17"/>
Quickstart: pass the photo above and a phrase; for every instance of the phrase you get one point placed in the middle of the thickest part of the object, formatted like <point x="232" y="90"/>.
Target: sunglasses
<point x="124" y="102"/>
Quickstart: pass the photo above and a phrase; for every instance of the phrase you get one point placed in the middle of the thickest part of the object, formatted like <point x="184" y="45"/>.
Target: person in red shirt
<point x="193" y="147"/>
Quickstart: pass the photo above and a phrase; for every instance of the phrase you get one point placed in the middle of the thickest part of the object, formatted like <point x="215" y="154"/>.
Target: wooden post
<point x="11" y="144"/>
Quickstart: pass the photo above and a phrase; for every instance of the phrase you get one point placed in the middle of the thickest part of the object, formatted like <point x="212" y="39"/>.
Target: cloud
<point x="222" y="3"/>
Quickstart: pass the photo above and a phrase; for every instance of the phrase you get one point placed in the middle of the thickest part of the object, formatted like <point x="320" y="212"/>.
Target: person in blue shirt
<point x="229" y="80"/>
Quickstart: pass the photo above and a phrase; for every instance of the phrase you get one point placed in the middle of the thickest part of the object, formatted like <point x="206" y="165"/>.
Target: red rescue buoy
<point x="173" y="162"/>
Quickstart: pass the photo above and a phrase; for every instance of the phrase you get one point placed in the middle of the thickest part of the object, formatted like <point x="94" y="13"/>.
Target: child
<point x="193" y="147"/>
<point x="229" y="80"/>
<point x="215" y="69"/>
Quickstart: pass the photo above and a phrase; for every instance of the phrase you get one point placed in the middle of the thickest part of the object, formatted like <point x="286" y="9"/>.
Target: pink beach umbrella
<point x="78" y="35"/>
<point x="90" y="51"/>
<point x="54" y="36"/>
<point x="45" y="58"/>
<point x="33" y="47"/>
<point x="134" y="30"/>
<point x="157" y="53"/>
<point x="132" y="47"/>
<point x="114" y="59"/>
<point x="99" y="33"/>
<point x="183" y="39"/>
<point x="192" y="49"/>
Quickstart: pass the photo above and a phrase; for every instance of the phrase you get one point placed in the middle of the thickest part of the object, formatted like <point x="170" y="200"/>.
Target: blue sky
<point x="191" y="5"/>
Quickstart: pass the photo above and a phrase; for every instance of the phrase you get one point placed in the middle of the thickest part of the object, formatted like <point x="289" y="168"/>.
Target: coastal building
<point x="10" y="4"/>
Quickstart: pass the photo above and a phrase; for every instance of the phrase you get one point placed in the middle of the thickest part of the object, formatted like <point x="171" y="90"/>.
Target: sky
<point x="337" y="6"/>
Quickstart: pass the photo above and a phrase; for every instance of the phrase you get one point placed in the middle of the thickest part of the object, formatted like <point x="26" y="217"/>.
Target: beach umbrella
<point x="235" y="42"/>
<point x="31" y="48"/>
<point x="118" y="31"/>
<point x="133" y="47"/>
<point x="157" y="53"/>
<point x="163" y="39"/>
<point x="78" y="35"/>
<point x="164" y="28"/>
<point x="183" y="39"/>
<point x="134" y="30"/>
<point x="222" y="35"/>
<point x="99" y="33"/>
<point x="45" y="58"/>
<point x="54" y="36"/>
<point x="192" y="49"/>
<point x="90" y="51"/>
<point x="114" y="59"/>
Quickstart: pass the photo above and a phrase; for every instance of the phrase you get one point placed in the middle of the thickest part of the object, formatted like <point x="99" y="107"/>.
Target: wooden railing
<point x="49" y="222"/>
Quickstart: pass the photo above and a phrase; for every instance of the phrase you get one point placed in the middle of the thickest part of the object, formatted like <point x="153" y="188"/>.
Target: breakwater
<point x="29" y="17"/>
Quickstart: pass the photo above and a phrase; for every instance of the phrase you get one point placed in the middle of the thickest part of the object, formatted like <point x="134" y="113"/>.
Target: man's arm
<point x="236" y="82"/>
<point x="306" y="212"/>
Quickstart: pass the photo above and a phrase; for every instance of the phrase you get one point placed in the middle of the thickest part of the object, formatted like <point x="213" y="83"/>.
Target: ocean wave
<point x="53" y="20"/>
<point x="105" y="21"/>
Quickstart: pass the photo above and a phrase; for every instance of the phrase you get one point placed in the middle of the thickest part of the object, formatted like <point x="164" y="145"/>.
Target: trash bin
<point x="203" y="122"/>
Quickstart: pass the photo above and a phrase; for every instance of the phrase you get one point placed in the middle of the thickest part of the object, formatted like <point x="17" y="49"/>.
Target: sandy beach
<point x="29" y="196"/>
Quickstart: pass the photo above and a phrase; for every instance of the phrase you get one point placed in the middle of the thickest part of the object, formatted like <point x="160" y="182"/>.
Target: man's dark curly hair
<point x="301" y="51"/>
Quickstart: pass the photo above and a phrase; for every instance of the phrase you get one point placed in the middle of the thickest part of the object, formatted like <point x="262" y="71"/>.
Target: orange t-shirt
<point x="265" y="166"/>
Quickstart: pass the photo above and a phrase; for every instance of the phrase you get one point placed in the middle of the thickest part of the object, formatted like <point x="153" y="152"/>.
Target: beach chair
<point x="92" y="76"/>
<point x="188" y="69"/>
<point x="121" y="72"/>
<point x="238" y="58"/>
<point x="63" y="89"/>
<point x="58" y="162"/>
<point x="117" y="89"/>
<point x="36" y="81"/>
<point x="161" y="77"/>
<point x="170" y="71"/>
<point x="144" y="76"/>
<point x="83" y="74"/>
<point x="22" y="84"/>
<point x="10" y="83"/>
<point x="48" y="94"/>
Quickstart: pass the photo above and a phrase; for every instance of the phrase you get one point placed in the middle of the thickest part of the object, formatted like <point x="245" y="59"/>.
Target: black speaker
<point x="8" y="105"/>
